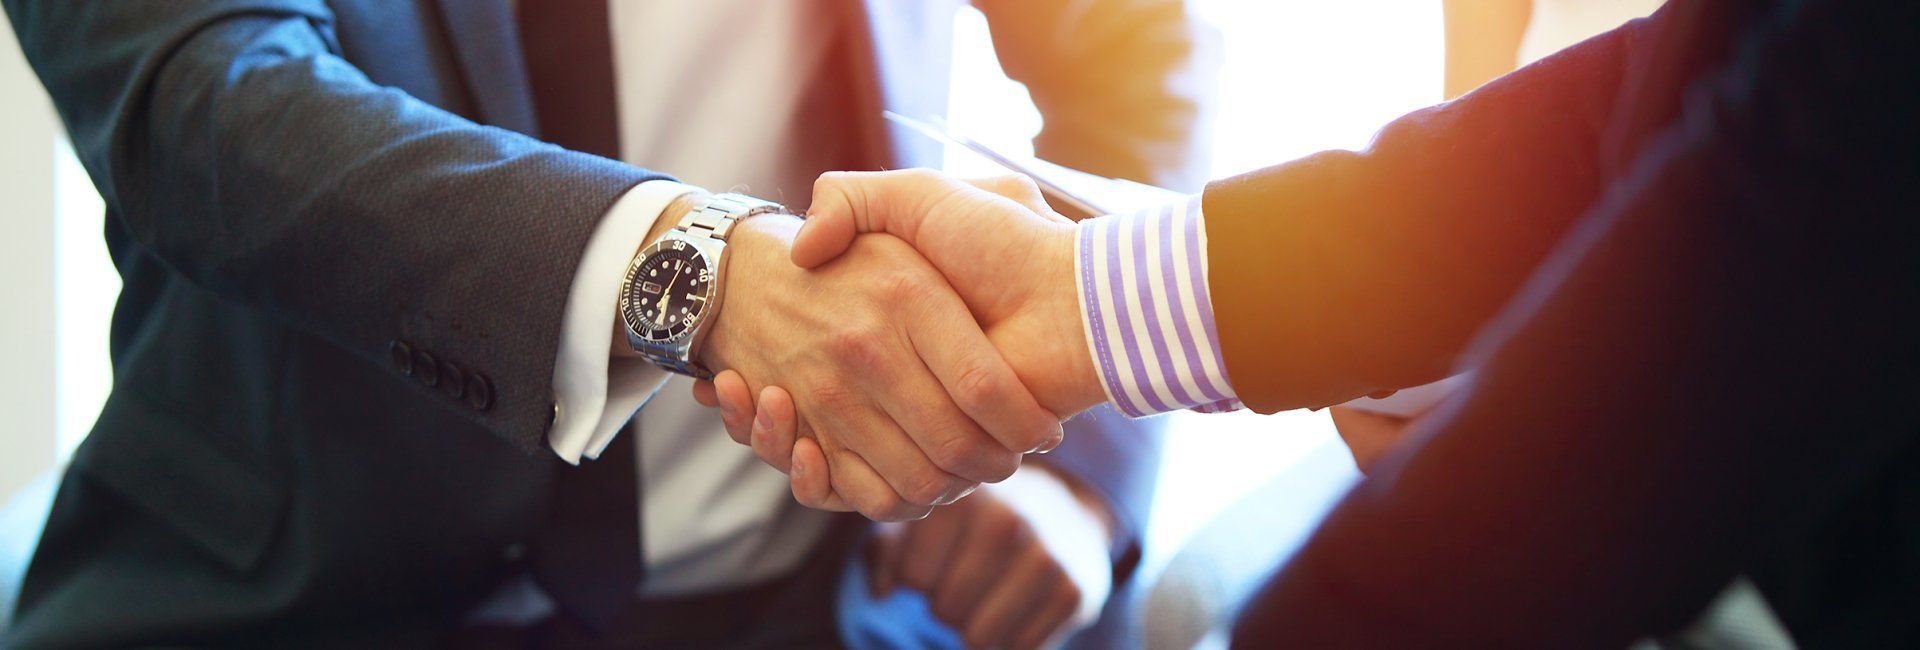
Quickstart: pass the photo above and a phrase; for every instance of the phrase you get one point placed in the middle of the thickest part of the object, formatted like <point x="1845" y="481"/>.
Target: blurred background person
<point x="1489" y="38"/>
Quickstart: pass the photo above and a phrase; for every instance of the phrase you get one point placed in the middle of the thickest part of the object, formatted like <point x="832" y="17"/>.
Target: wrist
<point x="1082" y="383"/>
<point x="757" y="251"/>
<point x="1043" y="338"/>
<point x="669" y="217"/>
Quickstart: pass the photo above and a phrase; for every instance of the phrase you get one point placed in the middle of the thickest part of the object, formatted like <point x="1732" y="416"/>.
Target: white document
<point x="1076" y="194"/>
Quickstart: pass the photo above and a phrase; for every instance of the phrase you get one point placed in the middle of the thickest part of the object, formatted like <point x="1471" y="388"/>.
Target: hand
<point x="872" y="345"/>
<point x="1016" y="565"/>
<point x="1369" y="435"/>
<point x="1006" y="252"/>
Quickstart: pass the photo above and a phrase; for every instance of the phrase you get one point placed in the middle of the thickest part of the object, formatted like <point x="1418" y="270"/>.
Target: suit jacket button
<point x="402" y="356"/>
<point x="426" y="368"/>
<point x="453" y="379"/>
<point x="479" y="392"/>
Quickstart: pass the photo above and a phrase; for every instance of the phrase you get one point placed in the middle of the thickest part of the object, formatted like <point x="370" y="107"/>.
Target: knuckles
<point x="976" y="387"/>
<point x="974" y="458"/>
<point x="929" y="487"/>
<point x="832" y="397"/>
<point x="860" y="348"/>
<point x="1017" y="186"/>
<point x="921" y="175"/>
<point x="899" y="283"/>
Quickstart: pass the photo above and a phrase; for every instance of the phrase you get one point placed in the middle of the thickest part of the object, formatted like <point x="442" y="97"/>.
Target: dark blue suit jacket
<point x="345" y="254"/>
<point x="1688" y="249"/>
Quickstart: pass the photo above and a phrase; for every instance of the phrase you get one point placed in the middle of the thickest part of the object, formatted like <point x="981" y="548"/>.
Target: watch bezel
<point x="688" y="328"/>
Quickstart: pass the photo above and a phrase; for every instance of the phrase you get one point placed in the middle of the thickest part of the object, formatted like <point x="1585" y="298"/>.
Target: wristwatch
<point x="671" y="292"/>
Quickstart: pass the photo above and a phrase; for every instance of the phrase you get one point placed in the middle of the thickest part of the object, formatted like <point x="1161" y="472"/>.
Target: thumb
<point x="849" y="203"/>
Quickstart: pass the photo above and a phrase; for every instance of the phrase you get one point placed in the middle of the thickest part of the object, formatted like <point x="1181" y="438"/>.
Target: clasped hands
<point x="897" y="371"/>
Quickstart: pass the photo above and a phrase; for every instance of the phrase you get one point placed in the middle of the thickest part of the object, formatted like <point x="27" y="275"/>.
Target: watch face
<point x="667" y="291"/>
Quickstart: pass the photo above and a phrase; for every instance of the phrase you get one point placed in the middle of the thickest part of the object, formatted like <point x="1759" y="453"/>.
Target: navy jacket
<point x="1682" y="255"/>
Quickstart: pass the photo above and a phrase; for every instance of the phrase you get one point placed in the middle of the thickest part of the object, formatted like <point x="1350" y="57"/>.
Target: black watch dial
<point x="667" y="291"/>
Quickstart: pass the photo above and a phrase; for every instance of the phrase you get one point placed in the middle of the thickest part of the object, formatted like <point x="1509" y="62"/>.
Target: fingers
<point x="984" y="387"/>
<point x="870" y="495"/>
<point x="1004" y="611"/>
<point x="737" y="409"/>
<point x="948" y="437"/>
<point x="811" y="480"/>
<point x="979" y="561"/>
<point x="928" y="545"/>
<point x="885" y="448"/>
<point x="1022" y="190"/>
<point x="774" y="428"/>
<point x="1047" y="621"/>
<point x="849" y="203"/>
<point x="703" y="393"/>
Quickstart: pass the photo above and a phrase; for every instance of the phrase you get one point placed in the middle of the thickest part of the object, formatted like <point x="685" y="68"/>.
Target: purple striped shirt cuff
<point x="1149" y="318"/>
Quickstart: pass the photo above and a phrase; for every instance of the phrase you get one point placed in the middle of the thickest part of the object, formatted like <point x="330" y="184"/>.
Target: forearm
<point x="238" y="148"/>
<point x="1693" y="378"/>
<point x="1324" y="262"/>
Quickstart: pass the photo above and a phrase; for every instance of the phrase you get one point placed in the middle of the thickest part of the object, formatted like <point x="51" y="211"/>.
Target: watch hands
<point x="660" y="315"/>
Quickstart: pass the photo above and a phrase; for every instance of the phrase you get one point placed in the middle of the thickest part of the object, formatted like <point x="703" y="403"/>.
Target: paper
<point x="1076" y="194"/>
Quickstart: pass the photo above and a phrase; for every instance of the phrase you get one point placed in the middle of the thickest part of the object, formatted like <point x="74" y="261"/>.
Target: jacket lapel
<point x="486" y="42"/>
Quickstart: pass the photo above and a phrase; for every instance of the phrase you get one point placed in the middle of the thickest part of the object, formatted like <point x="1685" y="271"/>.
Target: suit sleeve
<point x="1721" y="356"/>
<point x="239" y="148"/>
<point x="1123" y="86"/>
<point x="1345" y="273"/>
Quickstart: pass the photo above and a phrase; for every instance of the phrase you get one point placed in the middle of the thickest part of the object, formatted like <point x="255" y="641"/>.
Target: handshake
<point x="896" y="372"/>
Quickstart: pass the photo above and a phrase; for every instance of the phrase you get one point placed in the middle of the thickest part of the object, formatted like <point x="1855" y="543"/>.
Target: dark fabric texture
<point x="344" y="262"/>
<point x="586" y="555"/>
<point x="1701" y="228"/>
<point x="569" y="52"/>
<point x="785" y="613"/>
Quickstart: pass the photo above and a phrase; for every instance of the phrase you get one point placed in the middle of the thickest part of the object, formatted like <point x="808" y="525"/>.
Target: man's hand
<point x="1008" y="255"/>
<point x="871" y="347"/>
<point x="1016" y="565"/>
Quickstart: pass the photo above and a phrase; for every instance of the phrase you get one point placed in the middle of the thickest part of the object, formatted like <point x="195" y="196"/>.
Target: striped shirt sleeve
<point x="1148" y="316"/>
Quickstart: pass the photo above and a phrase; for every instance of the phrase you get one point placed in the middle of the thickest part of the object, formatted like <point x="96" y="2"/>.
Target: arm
<point x="1707" y="367"/>
<point x="238" y="147"/>
<point x="1123" y="85"/>
<point x="242" y="151"/>
<point x="1325" y="260"/>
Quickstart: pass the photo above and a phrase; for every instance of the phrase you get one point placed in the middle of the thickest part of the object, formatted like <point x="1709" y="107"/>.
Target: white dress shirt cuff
<point x="1148" y="312"/>
<point x="595" y="394"/>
